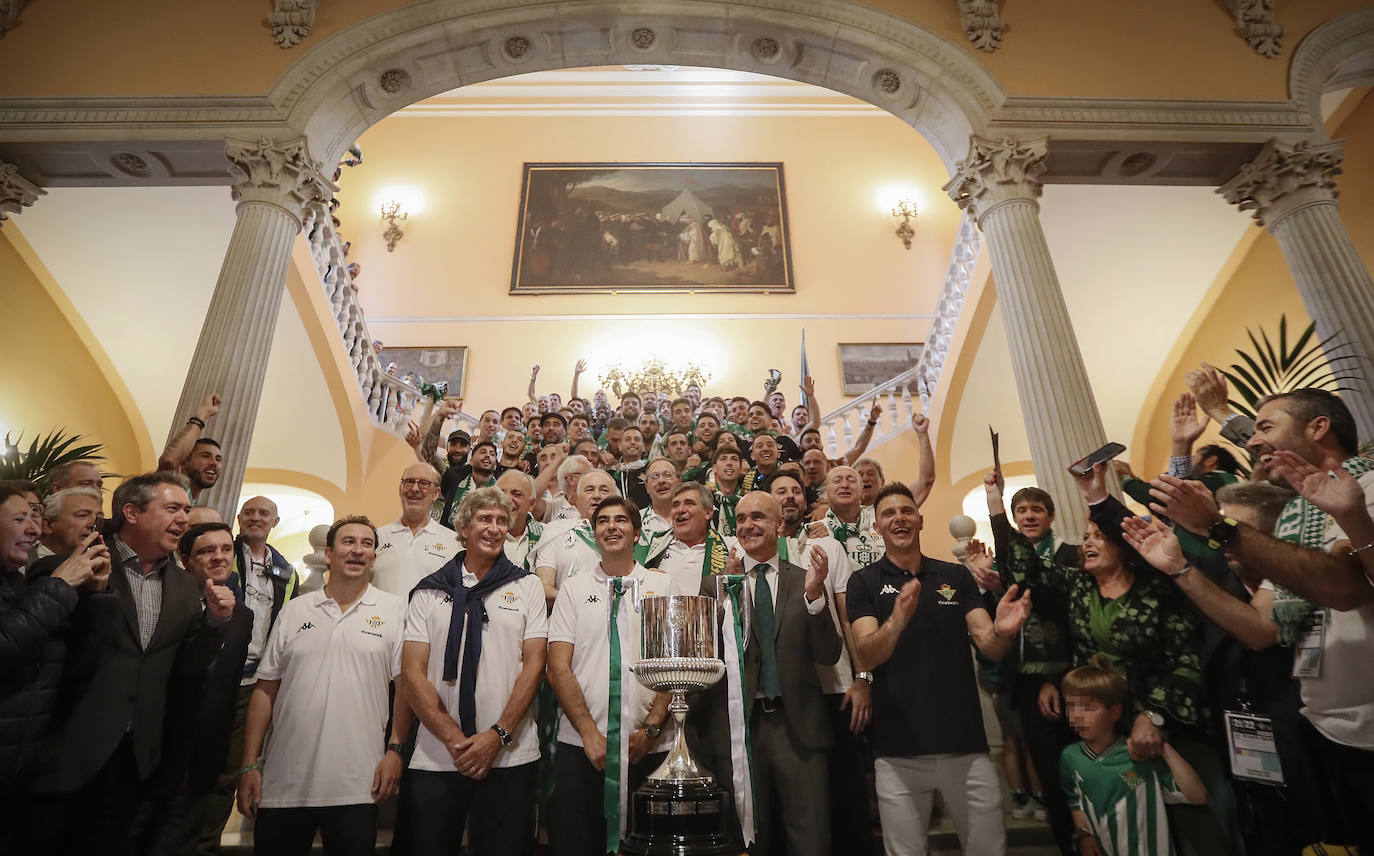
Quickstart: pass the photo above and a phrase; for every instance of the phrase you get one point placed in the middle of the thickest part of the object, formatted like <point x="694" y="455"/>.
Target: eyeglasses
<point x="661" y="475"/>
<point x="423" y="484"/>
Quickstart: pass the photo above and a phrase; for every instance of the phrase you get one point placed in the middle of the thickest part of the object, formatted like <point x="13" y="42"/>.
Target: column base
<point x="679" y="819"/>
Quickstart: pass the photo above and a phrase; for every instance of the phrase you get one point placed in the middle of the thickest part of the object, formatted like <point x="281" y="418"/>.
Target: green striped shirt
<point x="1123" y="800"/>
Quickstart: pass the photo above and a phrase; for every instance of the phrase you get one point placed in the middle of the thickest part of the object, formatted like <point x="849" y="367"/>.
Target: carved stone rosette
<point x="16" y="192"/>
<point x="291" y="21"/>
<point x="997" y="171"/>
<point x="982" y="23"/>
<point x="1255" y="24"/>
<point x="280" y="174"/>
<point x="1284" y="177"/>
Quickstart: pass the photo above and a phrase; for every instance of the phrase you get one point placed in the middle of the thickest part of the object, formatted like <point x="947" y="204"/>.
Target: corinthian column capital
<point x="1284" y="177"/>
<point x="280" y="174"/>
<point x="16" y="192"/>
<point x="997" y="171"/>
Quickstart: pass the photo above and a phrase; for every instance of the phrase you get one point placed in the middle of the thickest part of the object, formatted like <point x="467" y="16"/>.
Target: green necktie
<point x="770" y="683"/>
<point x="610" y="796"/>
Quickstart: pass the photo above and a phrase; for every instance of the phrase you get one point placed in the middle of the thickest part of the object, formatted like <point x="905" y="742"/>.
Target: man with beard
<point x="630" y="406"/>
<point x="194" y="456"/>
<point x="555" y="428"/>
<point x="629" y="470"/>
<point x="512" y="453"/>
<point x="653" y="439"/>
<point x="846" y="684"/>
<point x="202" y="466"/>
<point x="761" y="423"/>
<point x="736" y="415"/>
<point x="415" y="546"/>
<point x="481" y="474"/>
<point x="677" y="450"/>
<point x="590" y="661"/>
<point x="610" y="438"/>
<point x="907" y="613"/>
<point x="788" y="726"/>
<point x="656" y="526"/>
<point x="570" y="547"/>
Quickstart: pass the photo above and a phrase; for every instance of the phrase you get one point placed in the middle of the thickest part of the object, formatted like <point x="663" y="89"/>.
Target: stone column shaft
<point x="999" y="184"/>
<point x="276" y="182"/>
<point x="1293" y="193"/>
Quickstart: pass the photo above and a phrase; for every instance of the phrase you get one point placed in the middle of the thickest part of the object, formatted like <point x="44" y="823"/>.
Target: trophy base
<point x="679" y="819"/>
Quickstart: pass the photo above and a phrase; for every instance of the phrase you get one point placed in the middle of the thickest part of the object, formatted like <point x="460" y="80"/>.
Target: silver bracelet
<point x="1362" y="549"/>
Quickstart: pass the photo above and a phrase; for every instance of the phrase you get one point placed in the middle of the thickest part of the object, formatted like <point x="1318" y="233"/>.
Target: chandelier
<point x="653" y="375"/>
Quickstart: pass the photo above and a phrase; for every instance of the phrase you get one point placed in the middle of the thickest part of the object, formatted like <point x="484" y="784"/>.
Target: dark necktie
<point x="770" y="682"/>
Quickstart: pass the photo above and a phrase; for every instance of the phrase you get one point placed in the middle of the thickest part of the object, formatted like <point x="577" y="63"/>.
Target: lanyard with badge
<point x="1307" y="649"/>
<point x="1250" y="745"/>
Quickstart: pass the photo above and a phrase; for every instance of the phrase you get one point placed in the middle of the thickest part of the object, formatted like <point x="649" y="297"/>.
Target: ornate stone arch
<point x="1337" y="54"/>
<point x="354" y="79"/>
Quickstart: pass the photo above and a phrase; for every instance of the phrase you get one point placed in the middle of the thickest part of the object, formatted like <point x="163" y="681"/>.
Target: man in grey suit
<point x="789" y="724"/>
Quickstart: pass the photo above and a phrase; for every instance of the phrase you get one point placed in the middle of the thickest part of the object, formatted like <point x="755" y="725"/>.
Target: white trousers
<point x="969" y="786"/>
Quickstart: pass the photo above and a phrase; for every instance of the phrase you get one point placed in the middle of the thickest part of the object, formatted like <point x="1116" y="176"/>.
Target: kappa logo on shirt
<point x="888" y="589"/>
<point x="448" y="598"/>
<point x="385" y="545"/>
<point x="306" y="626"/>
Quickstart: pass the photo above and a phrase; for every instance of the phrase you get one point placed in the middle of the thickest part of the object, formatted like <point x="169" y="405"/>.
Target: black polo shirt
<point x="925" y="697"/>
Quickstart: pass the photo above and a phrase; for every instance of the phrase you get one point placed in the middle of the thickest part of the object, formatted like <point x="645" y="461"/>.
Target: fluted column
<point x="999" y="183"/>
<point x="1292" y="190"/>
<point x="273" y="184"/>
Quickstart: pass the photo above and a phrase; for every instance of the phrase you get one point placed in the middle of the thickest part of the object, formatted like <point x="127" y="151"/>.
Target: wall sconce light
<point x="906" y="209"/>
<point x="391" y="213"/>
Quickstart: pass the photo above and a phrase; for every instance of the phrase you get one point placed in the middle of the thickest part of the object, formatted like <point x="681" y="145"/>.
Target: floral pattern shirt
<point x="1149" y="633"/>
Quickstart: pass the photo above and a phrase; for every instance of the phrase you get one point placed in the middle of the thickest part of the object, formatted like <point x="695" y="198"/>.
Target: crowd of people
<point x="1188" y="680"/>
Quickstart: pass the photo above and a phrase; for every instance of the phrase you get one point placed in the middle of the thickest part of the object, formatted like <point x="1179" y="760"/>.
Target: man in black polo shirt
<point x="911" y="617"/>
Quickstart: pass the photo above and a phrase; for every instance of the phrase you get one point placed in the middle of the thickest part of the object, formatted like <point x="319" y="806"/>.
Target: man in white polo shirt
<point x="569" y="547"/>
<point x="604" y="754"/>
<point x="322" y="686"/>
<point x="697" y="550"/>
<point x="474" y="655"/>
<point x="523" y="536"/>
<point x="656" y="524"/>
<point x="417" y="545"/>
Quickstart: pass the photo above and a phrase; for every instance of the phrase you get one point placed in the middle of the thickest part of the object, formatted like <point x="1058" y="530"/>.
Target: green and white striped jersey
<point x="1123" y="799"/>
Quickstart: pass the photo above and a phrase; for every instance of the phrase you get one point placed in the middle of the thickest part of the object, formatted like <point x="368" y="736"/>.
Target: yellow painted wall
<point x="1260" y="289"/>
<point x="1073" y="47"/>
<point x="48" y="378"/>
<point x="455" y="260"/>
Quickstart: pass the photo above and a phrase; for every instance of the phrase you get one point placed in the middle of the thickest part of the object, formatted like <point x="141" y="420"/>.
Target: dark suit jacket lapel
<point x="785" y="581"/>
<point x="120" y="583"/>
<point x="177" y="592"/>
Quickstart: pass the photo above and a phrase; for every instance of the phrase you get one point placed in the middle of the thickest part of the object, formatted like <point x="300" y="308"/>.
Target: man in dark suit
<point x="109" y="737"/>
<point x="789" y="723"/>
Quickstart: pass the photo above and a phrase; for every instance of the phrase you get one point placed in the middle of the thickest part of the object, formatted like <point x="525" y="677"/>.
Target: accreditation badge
<point x="1250" y="742"/>
<point x="1307" y="651"/>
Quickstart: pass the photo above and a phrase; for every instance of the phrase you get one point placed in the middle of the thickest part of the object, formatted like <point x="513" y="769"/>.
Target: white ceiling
<point x="140" y="265"/>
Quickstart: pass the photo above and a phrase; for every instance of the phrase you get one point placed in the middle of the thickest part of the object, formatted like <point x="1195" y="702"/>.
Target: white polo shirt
<point x="521" y="551"/>
<point x="839" y="677"/>
<point x="580" y="617"/>
<point x="329" y="721"/>
<point x="404" y="558"/>
<point x="568" y="548"/>
<point x="683" y="563"/>
<point x="515" y="613"/>
<point x="557" y="507"/>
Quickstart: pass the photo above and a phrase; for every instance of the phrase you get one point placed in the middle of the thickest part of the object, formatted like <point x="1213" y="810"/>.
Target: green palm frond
<point x="43" y="455"/>
<point x="1266" y="370"/>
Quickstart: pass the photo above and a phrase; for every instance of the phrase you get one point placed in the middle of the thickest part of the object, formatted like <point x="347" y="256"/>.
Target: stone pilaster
<point x="273" y="184"/>
<point x="1292" y="191"/>
<point x="999" y="183"/>
<point x="16" y="192"/>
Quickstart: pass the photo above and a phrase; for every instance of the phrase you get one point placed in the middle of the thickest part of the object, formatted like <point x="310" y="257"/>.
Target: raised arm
<point x="179" y="447"/>
<point x="1016" y="556"/>
<point x="813" y="407"/>
<point x="1184" y="431"/>
<point x="577" y="373"/>
<point x="428" y="451"/>
<point x="534" y="374"/>
<point x="865" y="436"/>
<point x="925" y="475"/>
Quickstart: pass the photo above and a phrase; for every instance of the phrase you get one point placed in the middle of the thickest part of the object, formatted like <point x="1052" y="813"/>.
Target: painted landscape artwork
<point x="863" y="367"/>
<point x="599" y="227"/>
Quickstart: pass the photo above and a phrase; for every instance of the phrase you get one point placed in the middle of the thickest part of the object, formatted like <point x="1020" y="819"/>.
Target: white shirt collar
<point x="750" y="563"/>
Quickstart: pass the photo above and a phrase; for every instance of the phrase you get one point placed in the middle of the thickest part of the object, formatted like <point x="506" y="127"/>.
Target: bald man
<point x="568" y="547"/>
<point x="416" y="545"/>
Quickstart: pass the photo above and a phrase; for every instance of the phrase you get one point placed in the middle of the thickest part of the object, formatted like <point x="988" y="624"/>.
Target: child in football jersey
<point x="1118" y="804"/>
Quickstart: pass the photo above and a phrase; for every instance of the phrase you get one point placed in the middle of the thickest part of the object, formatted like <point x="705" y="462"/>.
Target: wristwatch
<point x="1156" y="718"/>
<point x="652" y="729"/>
<point x="398" y="748"/>
<point x="506" y="737"/>
<point x="865" y="676"/>
<point x="1221" y="533"/>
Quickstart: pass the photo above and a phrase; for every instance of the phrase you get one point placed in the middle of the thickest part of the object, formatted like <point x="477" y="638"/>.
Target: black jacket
<point x="34" y="616"/>
<point x="125" y="685"/>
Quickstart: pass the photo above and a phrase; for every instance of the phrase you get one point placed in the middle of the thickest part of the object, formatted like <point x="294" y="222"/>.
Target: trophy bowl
<point x="679" y="809"/>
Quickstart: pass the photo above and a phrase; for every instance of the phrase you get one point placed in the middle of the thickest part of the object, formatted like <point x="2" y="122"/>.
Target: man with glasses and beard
<point x="415" y="546"/>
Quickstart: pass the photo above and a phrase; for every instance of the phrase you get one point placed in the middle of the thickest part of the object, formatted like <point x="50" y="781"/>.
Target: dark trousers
<point x="851" y="785"/>
<point x="791" y="789"/>
<point x="577" y="822"/>
<point x="214" y="808"/>
<point x="501" y="809"/>
<point x="345" y="830"/>
<point x="94" y="819"/>
<point x="1348" y="774"/>
<point x="1045" y="742"/>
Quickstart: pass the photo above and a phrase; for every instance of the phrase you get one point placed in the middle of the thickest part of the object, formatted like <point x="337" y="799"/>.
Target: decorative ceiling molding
<point x="670" y="316"/>
<point x="982" y="23"/>
<point x="1337" y="54"/>
<point x="291" y="21"/>
<point x="9" y="14"/>
<point x="16" y="192"/>
<point x="1255" y="24"/>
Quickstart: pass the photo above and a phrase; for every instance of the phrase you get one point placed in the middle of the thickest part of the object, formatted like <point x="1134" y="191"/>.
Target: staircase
<point x="389" y="399"/>
<point x="901" y="395"/>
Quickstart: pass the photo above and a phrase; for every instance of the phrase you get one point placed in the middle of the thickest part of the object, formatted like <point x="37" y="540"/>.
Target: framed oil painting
<point x="428" y="365"/>
<point x="647" y="227"/>
<point x="863" y="367"/>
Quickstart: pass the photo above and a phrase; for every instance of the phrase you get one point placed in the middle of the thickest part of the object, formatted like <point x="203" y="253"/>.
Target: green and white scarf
<point x="1303" y="523"/>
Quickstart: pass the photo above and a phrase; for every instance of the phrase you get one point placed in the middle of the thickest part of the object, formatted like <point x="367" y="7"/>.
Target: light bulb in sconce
<point x="392" y="213"/>
<point x="905" y="209"/>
